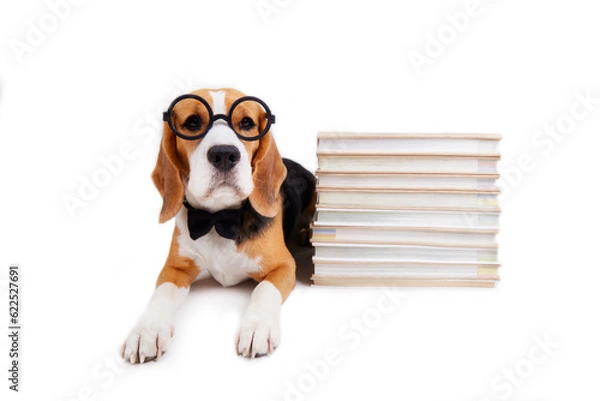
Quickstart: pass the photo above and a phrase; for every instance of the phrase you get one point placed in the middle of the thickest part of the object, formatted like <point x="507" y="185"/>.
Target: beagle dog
<point x="235" y="202"/>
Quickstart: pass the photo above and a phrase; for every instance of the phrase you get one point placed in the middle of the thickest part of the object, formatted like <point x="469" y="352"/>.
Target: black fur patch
<point x="296" y="190"/>
<point x="253" y="223"/>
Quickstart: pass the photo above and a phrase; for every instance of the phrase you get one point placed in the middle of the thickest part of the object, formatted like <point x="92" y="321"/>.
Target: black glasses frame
<point x="167" y="117"/>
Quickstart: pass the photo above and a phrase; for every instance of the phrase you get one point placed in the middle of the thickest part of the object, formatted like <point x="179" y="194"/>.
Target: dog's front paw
<point x="147" y="341"/>
<point x="257" y="336"/>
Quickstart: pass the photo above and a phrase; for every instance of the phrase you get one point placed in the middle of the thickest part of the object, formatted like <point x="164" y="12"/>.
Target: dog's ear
<point x="167" y="176"/>
<point x="268" y="173"/>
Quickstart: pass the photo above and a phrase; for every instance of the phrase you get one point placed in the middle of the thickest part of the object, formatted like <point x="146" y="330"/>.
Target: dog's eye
<point x="247" y="123"/>
<point x="193" y="123"/>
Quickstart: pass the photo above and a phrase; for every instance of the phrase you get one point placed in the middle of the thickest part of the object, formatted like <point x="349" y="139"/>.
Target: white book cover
<point x="405" y="235"/>
<point x="402" y="253"/>
<point x="408" y="164"/>
<point x="463" y="219"/>
<point x="480" y="182"/>
<point x="406" y="269"/>
<point x="413" y="198"/>
<point x="389" y="143"/>
<point x="391" y="281"/>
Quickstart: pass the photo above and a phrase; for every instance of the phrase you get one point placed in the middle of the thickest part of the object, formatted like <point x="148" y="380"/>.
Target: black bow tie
<point x="227" y="222"/>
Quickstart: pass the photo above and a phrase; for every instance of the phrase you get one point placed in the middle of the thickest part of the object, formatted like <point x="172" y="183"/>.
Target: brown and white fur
<point x="260" y="253"/>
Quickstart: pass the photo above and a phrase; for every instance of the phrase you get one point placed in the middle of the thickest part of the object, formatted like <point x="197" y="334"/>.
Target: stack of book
<point x="406" y="210"/>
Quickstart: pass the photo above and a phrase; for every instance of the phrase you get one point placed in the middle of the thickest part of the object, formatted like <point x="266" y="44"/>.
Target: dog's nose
<point x="223" y="157"/>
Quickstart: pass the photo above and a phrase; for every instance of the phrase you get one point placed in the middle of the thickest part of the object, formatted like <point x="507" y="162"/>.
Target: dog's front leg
<point x="259" y="332"/>
<point x="151" y="336"/>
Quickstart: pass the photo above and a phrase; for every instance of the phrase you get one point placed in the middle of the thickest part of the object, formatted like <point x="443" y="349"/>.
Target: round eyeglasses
<point x="191" y="117"/>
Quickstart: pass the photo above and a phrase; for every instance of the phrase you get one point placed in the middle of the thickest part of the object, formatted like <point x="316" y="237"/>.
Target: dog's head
<point x="217" y="151"/>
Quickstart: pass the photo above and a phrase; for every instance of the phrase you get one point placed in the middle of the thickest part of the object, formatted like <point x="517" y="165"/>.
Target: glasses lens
<point x="250" y="119"/>
<point x="190" y="117"/>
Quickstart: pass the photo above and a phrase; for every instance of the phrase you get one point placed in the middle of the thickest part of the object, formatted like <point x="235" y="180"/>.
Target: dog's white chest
<point x="216" y="255"/>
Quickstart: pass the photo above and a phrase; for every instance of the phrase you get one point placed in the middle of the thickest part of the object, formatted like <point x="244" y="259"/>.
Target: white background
<point x="100" y="80"/>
